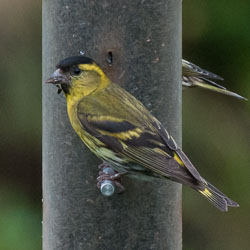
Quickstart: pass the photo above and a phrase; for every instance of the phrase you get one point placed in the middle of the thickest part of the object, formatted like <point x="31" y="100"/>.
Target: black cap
<point x="74" y="60"/>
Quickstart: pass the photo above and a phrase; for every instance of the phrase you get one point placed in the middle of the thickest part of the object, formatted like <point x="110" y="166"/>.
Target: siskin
<point x="194" y="76"/>
<point x="116" y="127"/>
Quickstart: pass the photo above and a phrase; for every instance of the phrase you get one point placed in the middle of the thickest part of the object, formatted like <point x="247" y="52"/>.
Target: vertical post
<point x="144" y="38"/>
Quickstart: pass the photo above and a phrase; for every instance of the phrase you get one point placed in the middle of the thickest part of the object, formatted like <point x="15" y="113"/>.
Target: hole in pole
<point x="110" y="58"/>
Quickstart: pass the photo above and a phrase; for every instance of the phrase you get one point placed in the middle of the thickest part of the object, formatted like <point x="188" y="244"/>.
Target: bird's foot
<point x="109" y="180"/>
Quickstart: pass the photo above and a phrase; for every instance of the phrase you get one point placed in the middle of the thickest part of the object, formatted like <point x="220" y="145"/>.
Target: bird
<point x="194" y="76"/>
<point x="120" y="131"/>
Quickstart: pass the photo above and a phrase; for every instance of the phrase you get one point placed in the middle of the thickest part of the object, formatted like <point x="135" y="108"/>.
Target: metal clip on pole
<point x="107" y="186"/>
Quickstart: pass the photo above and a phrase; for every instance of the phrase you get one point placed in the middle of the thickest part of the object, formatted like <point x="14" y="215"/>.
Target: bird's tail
<point x="213" y="87"/>
<point x="216" y="197"/>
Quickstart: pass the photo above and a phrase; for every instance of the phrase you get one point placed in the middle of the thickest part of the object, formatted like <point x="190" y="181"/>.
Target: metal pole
<point x="144" y="40"/>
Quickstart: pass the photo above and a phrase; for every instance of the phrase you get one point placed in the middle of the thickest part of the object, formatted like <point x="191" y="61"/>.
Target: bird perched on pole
<point x="116" y="127"/>
<point x="194" y="76"/>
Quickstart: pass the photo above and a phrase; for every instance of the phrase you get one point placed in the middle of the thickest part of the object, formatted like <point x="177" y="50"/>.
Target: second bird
<point x="194" y="76"/>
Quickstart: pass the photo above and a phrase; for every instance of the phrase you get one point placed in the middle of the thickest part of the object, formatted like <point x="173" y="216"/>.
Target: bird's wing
<point x="190" y="69"/>
<point x="201" y="81"/>
<point x="143" y="141"/>
<point x="138" y="145"/>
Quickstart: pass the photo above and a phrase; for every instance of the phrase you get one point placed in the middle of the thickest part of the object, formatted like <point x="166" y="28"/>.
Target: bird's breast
<point x="90" y="141"/>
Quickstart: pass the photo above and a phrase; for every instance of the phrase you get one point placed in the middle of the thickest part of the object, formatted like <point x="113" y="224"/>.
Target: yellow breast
<point x="91" y="142"/>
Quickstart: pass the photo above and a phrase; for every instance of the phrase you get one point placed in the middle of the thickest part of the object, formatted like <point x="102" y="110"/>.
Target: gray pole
<point x="144" y="38"/>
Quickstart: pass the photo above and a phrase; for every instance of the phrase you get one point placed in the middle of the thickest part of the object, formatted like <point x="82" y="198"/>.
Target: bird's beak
<point x="58" y="78"/>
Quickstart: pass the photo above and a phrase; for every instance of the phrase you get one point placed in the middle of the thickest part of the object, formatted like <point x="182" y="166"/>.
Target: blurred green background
<point x="216" y="36"/>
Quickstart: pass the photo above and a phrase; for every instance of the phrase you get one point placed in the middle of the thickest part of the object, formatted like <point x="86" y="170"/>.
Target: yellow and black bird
<point x="194" y="76"/>
<point x="116" y="127"/>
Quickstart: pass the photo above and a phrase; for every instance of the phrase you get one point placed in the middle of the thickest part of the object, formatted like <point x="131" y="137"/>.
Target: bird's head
<point x="78" y="75"/>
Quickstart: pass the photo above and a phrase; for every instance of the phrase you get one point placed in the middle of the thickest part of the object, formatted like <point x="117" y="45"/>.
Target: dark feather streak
<point x="109" y="141"/>
<point x="112" y="126"/>
<point x="149" y="140"/>
<point x="165" y="136"/>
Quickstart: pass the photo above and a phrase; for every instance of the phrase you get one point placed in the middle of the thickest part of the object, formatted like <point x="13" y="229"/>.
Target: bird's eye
<point x="77" y="71"/>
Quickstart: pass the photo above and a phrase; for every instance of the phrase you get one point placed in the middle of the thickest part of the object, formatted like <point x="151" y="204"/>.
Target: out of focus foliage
<point x="20" y="107"/>
<point x="216" y="36"/>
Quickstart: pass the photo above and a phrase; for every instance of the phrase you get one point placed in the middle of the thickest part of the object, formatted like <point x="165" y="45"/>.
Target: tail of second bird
<point x="206" y="84"/>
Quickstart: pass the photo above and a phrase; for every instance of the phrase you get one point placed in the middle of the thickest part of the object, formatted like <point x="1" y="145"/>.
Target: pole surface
<point x="144" y="38"/>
